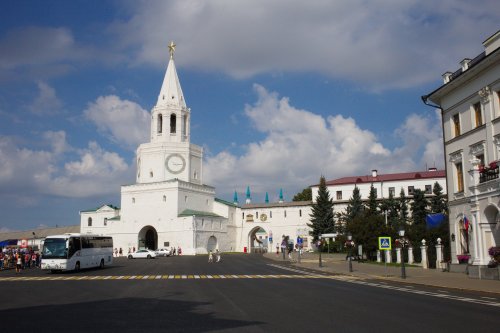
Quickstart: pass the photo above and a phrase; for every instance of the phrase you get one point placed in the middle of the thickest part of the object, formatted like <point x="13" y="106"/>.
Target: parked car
<point x="148" y="254"/>
<point x="162" y="253"/>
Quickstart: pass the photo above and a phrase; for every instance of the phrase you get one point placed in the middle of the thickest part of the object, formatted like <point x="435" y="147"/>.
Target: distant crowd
<point x="19" y="259"/>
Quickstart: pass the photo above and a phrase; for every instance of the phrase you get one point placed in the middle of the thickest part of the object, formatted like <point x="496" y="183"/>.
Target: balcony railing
<point x="489" y="173"/>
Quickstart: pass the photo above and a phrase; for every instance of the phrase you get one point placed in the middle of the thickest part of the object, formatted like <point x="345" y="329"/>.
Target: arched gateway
<point x="148" y="238"/>
<point x="258" y="240"/>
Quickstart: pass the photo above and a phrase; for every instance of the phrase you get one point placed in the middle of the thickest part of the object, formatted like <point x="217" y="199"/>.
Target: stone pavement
<point x="336" y="264"/>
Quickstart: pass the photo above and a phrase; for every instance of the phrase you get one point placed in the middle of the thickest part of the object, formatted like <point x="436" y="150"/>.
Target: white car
<point x="162" y="253"/>
<point x="148" y="254"/>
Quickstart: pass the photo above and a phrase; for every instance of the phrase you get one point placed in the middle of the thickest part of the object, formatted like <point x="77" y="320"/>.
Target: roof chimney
<point x="447" y="77"/>
<point x="374" y="173"/>
<point x="465" y="64"/>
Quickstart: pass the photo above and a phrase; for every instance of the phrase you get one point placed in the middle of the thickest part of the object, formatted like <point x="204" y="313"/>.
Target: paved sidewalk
<point x="336" y="264"/>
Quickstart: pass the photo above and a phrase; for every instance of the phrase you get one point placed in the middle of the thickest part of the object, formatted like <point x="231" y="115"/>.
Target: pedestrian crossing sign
<point x="384" y="243"/>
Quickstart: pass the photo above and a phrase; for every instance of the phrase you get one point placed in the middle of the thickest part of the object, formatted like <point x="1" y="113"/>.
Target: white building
<point x="170" y="206"/>
<point x="469" y="100"/>
<point x="341" y="189"/>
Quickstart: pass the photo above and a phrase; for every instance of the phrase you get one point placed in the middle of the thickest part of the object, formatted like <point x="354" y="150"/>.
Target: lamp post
<point x="402" y="242"/>
<point x="319" y="249"/>
<point x="349" y="240"/>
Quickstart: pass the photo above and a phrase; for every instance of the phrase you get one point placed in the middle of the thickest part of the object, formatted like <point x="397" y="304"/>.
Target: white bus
<point x="75" y="251"/>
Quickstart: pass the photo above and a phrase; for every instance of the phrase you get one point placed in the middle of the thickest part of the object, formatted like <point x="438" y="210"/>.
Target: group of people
<point x="211" y="256"/>
<point x="175" y="252"/>
<point x="14" y="258"/>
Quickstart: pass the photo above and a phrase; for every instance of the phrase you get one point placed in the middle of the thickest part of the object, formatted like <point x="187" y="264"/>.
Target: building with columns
<point x="470" y="108"/>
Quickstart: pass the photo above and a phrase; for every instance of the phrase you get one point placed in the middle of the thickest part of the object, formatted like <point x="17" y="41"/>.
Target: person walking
<point x="19" y="262"/>
<point x="217" y="255"/>
<point x="210" y="257"/>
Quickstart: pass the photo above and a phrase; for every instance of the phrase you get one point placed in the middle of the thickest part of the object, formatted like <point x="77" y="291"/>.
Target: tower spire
<point x="171" y="92"/>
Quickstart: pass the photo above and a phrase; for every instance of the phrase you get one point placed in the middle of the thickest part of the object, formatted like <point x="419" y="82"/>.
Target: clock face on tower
<point x="175" y="163"/>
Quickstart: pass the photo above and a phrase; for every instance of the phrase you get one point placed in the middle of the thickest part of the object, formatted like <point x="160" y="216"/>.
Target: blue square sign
<point x="384" y="243"/>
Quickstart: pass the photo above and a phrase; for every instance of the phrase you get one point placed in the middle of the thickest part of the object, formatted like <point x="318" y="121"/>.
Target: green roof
<point x="226" y="202"/>
<point x="191" y="212"/>
<point x="96" y="209"/>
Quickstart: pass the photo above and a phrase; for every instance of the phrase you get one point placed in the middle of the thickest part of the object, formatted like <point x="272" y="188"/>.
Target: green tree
<point x="305" y="195"/>
<point x="403" y="208"/>
<point x="372" y="206"/>
<point x="419" y="212"/>
<point x="390" y="206"/>
<point x="322" y="212"/>
<point x="438" y="201"/>
<point x="355" y="206"/>
<point x="365" y="229"/>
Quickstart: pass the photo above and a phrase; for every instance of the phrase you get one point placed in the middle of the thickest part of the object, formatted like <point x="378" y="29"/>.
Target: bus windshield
<point x="54" y="248"/>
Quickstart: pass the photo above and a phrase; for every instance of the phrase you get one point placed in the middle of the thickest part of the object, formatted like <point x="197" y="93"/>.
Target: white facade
<point x="469" y="100"/>
<point x="341" y="189"/>
<point x="170" y="206"/>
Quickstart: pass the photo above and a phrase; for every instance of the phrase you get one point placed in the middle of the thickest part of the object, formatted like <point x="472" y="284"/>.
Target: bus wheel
<point x="101" y="265"/>
<point x="149" y="257"/>
<point x="77" y="267"/>
<point x="130" y="256"/>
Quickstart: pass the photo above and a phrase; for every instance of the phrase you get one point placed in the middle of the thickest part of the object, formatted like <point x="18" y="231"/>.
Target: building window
<point x="173" y="123"/>
<point x="428" y="189"/>
<point x="285" y="213"/>
<point x="456" y="124"/>
<point x="185" y="198"/>
<point x="300" y="212"/>
<point x="477" y="114"/>
<point x="151" y="174"/>
<point x="271" y="214"/>
<point x="89" y="222"/>
<point x="481" y="158"/>
<point x="392" y="191"/>
<point x="256" y="215"/>
<point x="243" y="216"/>
<point x="160" y="123"/>
<point x="164" y="198"/>
<point x="339" y="195"/>
<point x="411" y="189"/>
<point x="105" y="221"/>
<point x="460" y="177"/>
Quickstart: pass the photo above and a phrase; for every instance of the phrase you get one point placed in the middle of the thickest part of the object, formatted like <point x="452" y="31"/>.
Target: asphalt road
<point x="244" y="293"/>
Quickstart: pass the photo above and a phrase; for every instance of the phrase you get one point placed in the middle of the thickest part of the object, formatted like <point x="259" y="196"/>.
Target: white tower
<point x="169" y="154"/>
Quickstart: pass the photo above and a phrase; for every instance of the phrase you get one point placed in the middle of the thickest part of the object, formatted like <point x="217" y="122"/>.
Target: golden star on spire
<point x="171" y="49"/>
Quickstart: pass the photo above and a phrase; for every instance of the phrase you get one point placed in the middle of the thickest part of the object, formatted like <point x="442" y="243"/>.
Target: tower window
<point x="133" y="200"/>
<point x="300" y="212"/>
<point x="160" y="123"/>
<point x="105" y="221"/>
<point x="89" y="222"/>
<point x="173" y="123"/>
<point x="164" y="198"/>
<point x="285" y="213"/>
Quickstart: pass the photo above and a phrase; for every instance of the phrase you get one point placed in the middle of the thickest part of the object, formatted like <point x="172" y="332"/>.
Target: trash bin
<point x="245" y="249"/>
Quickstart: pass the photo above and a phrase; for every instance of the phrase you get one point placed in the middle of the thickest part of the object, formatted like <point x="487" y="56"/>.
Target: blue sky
<point x="281" y="92"/>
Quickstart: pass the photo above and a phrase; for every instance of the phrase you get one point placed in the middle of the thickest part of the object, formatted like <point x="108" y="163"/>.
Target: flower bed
<point x="494" y="252"/>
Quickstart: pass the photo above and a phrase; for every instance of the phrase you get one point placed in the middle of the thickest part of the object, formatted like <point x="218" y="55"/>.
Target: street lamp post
<point x="402" y="242"/>
<point x="319" y="249"/>
<point x="349" y="240"/>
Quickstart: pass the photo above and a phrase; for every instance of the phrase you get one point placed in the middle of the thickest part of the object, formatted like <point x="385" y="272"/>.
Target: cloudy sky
<point x="281" y="92"/>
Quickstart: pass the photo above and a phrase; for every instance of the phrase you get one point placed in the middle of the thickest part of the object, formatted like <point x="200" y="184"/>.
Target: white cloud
<point x="26" y="175"/>
<point x="377" y="44"/>
<point x="300" y="146"/>
<point x="46" y="103"/>
<point x="122" y="121"/>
